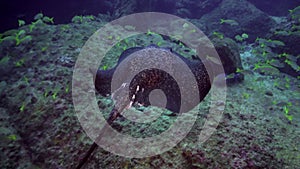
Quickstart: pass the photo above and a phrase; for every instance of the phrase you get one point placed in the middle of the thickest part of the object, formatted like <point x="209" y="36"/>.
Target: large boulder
<point x="287" y="30"/>
<point x="275" y="7"/>
<point x="241" y="17"/>
<point x="229" y="54"/>
<point x="291" y="41"/>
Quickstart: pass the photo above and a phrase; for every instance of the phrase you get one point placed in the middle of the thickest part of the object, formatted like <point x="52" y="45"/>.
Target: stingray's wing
<point x="128" y="52"/>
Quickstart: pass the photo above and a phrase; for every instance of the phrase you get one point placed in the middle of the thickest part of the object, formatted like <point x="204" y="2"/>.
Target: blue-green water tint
<point x="39" y="45"/>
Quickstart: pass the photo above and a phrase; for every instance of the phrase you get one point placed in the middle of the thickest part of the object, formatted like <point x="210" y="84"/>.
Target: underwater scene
<point x="150" y="84"/>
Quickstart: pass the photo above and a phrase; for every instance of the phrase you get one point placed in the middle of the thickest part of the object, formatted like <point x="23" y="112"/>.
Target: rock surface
<point x="249" y="19"/>
<point x="229" y="54"/>
<point x="196" y="8"/>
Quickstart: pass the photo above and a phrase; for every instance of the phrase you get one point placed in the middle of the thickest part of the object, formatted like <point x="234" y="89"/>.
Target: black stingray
<point x="148" y="80"/>
<point x="151" y="79"/>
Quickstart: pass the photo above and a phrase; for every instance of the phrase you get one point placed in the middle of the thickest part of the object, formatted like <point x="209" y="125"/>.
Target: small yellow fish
<point x="12" y="137"/>
<point x="229" y="22"/>
<point x="213" y="59"/>
<point x="185" y="25"/>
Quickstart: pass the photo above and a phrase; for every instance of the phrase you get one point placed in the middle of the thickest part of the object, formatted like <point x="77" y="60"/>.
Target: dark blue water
<point x="63" y="11"/>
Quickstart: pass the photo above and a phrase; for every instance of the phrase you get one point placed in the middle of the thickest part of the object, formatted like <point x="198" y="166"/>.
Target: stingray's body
<point x="146" y="81"/>
<point x="150" y="79"/>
